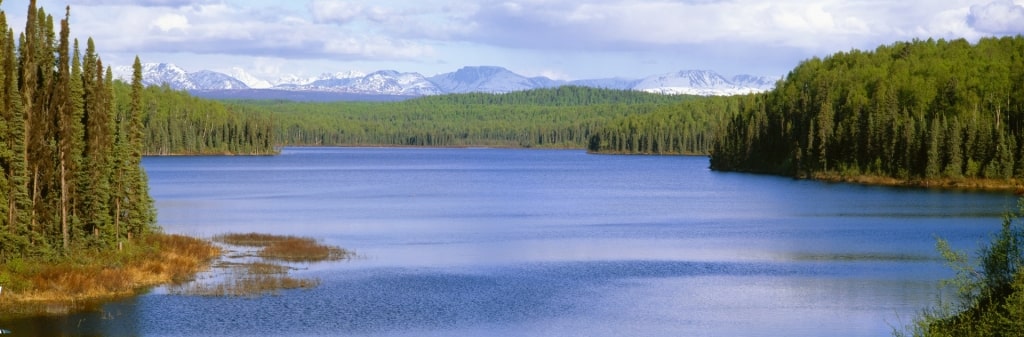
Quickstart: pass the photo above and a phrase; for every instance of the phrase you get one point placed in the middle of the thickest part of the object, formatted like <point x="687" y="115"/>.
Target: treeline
<point x="70" y="156"/>
<point x="686" y="128"/>
<point x="562" y="117"/>
<point x="910" y="110"/>
<point x="177" y="123"/>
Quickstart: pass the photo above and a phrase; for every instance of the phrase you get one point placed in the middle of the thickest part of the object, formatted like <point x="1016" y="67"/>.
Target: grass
<point x="90" y="276"/>
<point x="285" y="247"/>
<point x="965" y="184"/>
<point x="85" y="279"/>
<point x="248" y="278"/>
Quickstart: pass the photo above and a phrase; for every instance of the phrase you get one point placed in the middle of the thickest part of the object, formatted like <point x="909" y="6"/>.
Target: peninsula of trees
<point x="921" y="110"/>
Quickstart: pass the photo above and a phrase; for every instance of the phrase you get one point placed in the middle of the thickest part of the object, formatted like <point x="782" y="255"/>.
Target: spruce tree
<point x="141" y="213"/>
<point x="99" y="143"/>
<point x="66" y="126"/>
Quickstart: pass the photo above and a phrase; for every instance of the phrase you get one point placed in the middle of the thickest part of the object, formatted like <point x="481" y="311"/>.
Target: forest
<point x="683" y="128"/>
<point x="177" y="123"/>
<point x="563" y="117"/>
<point x="932" y="109"/>
<point x="72" y="138"/>
<point x="69" y="153"/>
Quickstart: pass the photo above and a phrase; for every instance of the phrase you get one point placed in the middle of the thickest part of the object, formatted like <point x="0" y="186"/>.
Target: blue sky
<point x="572" y="39"/>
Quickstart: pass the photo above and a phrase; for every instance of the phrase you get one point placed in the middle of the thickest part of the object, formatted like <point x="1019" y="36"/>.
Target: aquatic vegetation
<point x="67" y="284"/>
<point x="245" y="272"/>
<point x="285" y="247"/>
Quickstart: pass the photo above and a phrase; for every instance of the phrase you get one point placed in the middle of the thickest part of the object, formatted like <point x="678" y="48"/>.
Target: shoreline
<point x="39" y="287"/>
<point x="255" y="264"/>
<point x="946" y="184"/>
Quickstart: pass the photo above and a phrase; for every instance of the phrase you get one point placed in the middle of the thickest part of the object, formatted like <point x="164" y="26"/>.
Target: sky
<point x="561" y="39"/>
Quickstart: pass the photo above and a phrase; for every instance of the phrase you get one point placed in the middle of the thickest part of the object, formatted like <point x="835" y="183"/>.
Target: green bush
<point x="990" y="290"/>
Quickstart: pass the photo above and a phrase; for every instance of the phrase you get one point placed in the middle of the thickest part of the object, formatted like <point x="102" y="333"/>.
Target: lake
<point x="504" y="242"/>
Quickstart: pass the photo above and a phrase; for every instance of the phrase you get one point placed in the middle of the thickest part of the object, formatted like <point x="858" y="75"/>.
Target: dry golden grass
<point x="248" y="239"/>
<point x="158" y="259"/>
<point x="966" y="184"/>
<point x="259" y="278"/>
<point x="247" y="279"/>
<point x="285" y="247"/>
<point x="45" y="287"/>
<point x="302" y="250"/>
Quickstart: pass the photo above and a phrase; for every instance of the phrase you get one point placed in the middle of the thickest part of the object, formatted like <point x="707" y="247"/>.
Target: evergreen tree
<point x="98" y="147"/>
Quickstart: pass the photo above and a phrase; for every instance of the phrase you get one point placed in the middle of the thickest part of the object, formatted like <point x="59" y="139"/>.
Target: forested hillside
<point x="559" y="117"/>
<point x="910" y="110"/>
<point x="177" y="123"/>
<point x="70" y="156"/>
<point x="687" y="128"/>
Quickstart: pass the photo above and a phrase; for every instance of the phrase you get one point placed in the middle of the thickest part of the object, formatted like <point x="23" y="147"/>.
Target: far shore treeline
<point x="925" y="110"/>
<point x="563" y="117"/>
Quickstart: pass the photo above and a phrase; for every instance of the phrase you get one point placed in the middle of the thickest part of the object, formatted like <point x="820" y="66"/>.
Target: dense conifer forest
<point x="72" y="139"/>
<point x="69" y="155"/>
<point x="910" y="110"/>
<point x="177" y="123"/>
<point x="687" y="128"/>
<point x="563" y="117"/>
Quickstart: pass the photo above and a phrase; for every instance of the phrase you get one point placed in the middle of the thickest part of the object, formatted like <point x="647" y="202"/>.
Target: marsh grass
<point x="247" y="279"/>
<point x="247" y="272"/>
<point x="285" y="247"/>
<point x="64" y="285"/>
<point x="963" y="184"/>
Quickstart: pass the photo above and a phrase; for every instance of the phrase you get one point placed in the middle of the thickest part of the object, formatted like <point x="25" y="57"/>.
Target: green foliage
<point x="563" y="117"/>
<point x="70" y="171"/>
<point x="176" y="123"/>
<point x="990" y="290"/>
<point x="686" y="127"/>
<point x="910" y="110"/>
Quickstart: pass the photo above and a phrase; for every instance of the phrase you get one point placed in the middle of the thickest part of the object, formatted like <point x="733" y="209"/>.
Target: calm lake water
<point x="504" y="242"/>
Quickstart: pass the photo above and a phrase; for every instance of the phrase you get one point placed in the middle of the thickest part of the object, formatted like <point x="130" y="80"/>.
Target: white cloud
<point x="168" y="22"/>
<point x="543" y="35"/>
<point x="997" y="17"/>
<point x="332" y="11"/>
<point x="206" y="27"/>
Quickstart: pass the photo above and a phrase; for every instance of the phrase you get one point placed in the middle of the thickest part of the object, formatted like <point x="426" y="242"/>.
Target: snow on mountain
<point x="211" y="80"/>
<point x="383" y="82"/>
<point x="703" y="82"/>
<point x="487" y="79"/>
<point x="179" y="79"/>
<point x="160" y="73"/>
<point x="607" y="83"/>
<point x="391" y="82"/>
<point x="251" y="81"/>
<point x="758" y="82"/>
<point x="482" y="79"/>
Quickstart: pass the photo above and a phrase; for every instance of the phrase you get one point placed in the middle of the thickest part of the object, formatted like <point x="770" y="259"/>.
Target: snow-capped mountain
<point x="751" y="81"/>
<point x="212" y="79"/>
<point x="608" y="83"/>
<point x="179" y="79"/>
<point x="701" y="82"/>
<point x="383" y="82"/>
<point x="488" y="79"/>
<point x="483" y="79"/>
<point x="251" y="81"/>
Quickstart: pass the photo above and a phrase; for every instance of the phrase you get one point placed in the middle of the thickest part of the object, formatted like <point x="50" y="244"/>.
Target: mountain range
<point x="393" y="85"/>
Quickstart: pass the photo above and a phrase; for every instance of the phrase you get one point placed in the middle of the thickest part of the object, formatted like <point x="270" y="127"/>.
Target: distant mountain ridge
<point x="383" y="83"/>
